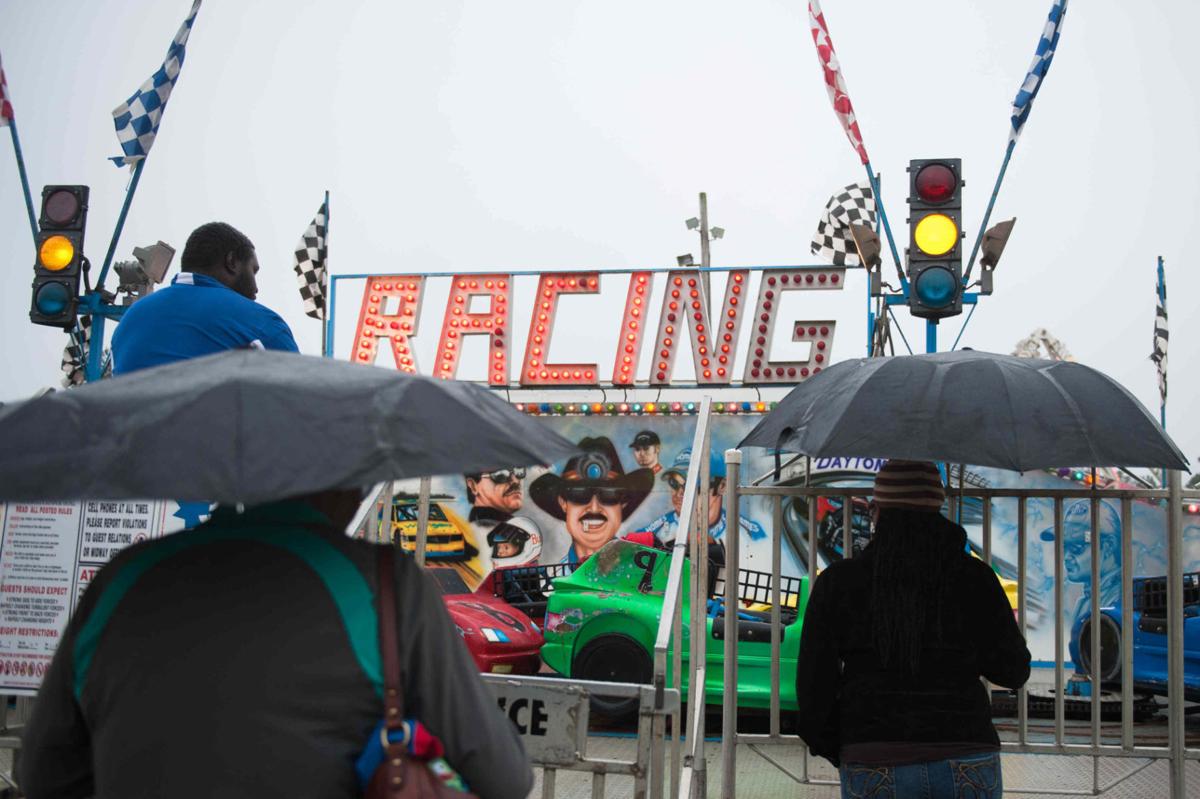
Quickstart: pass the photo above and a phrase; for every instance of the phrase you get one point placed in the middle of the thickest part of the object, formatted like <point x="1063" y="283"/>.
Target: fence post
<point x="733" y="465"/>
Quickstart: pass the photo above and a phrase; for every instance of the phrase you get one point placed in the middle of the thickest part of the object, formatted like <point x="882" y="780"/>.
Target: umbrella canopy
<point x="968" y="407"/>
<point x="252" y="426"/>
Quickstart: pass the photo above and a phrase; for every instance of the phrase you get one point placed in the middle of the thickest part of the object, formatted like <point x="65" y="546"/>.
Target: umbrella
<point x="252" y="426"/>
<point x="968" y="407"/>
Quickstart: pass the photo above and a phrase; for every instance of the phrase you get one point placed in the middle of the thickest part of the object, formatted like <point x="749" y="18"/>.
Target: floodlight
<point x="685" y="259"/>
<point x="717" y="232"/>
<point x="692" y="223"/>
<point x="994" y="241"/>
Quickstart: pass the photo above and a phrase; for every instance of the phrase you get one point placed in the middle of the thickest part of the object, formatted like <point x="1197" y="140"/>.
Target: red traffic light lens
<point x="936" y="183"/>
<point x="61" y="207"/>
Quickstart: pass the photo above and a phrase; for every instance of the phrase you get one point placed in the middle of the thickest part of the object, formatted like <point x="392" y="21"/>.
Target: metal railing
<point x="691" y="543"/>
<point x="1175" y="752"/>
<point x="552" y="718"/>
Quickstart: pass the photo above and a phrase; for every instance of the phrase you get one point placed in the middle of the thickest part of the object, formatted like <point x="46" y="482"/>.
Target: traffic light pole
<point x="93" y="304"/>
<point x="930" y="324"/>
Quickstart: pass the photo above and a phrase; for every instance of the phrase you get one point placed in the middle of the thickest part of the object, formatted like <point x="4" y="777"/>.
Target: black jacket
<point x="846" y="695"/>
<point x="241" y="659"/>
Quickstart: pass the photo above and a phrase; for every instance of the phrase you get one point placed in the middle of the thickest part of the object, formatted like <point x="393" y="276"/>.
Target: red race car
<point x="502" y="639"/>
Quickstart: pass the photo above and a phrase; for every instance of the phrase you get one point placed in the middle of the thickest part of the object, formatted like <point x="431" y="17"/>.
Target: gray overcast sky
<point x="555" y="135"/>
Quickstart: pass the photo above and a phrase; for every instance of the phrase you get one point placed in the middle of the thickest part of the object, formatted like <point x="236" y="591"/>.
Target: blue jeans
<point x="971" y="777"/>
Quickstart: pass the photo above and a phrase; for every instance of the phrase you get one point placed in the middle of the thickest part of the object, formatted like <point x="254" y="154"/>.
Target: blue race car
<point x="1149" y="638"/>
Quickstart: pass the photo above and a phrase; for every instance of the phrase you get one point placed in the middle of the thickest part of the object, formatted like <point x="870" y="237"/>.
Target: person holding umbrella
<point x="893" y="646"/>
<point x="250" y="656"/>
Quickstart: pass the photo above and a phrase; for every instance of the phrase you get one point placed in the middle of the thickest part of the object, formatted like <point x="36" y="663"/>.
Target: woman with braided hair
<point x="892" y="649"/>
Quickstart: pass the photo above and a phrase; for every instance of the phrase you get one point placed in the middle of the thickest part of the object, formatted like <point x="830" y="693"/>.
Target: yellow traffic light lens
<point x="936" y="234"/>
<point x="57" y="253"/>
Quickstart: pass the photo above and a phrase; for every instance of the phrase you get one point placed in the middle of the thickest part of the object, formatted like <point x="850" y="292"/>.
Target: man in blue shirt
<point x="208" y="308"/>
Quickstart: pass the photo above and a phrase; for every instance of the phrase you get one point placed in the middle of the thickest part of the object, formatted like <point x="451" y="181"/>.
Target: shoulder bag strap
<point x="393" y="694"/>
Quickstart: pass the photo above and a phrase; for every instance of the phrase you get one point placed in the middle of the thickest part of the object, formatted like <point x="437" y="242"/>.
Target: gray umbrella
<point x="968" y="407"/>
<point x="252" y="426"/>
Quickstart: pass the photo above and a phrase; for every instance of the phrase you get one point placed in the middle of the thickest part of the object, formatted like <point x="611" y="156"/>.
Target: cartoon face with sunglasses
<point x="500" y="490"/>
<point x="593" y="496"/>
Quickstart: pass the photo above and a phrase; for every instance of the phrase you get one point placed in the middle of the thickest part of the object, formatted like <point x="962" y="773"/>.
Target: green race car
<point x="601" y="622"/>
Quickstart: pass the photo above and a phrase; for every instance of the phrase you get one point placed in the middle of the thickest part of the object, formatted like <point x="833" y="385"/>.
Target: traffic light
<point x="935" y="237"/>
<point x="59" y="263"/>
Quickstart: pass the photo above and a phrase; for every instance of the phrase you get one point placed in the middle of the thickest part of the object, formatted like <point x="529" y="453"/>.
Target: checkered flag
<point x="853" y="205"/>
<point x="138" y="118"/>
<point x="1159" y="356"/>
<point x="1042" y="56"/>
<point x="311" y="258"/>
<point x="75" y="353"/>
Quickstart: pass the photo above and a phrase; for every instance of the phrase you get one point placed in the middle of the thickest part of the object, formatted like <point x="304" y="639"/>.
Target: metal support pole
<point x="988" y="214"/>
<point x="733" y="465"/>
<point x="887" y="228"/>
<point x="33" y="226"/>
<point x="1175" y="698"/>
<point x="1127" y="623"/>
<point x="1022" y="582"/>
<point x="776" y="608"/>
<point x="116" y="236"/>
<point x="1059" y="568"/>
<point x="328" y="321"/>
<point x="325" y="317"/>
<point x="422" y="519"/>
<point x="931" y="327"/>
<point x="93" y="368"/>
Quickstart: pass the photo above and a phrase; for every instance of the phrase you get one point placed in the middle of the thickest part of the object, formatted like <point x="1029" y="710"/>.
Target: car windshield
<point x="408" y="513"/>
<point x="449" y="581"/>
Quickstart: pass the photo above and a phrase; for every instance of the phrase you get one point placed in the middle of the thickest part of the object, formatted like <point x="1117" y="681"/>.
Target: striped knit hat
<point x="911" y="485"/>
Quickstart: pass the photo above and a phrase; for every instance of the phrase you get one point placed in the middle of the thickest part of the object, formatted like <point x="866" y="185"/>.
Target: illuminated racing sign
<point x="638" y="321"/>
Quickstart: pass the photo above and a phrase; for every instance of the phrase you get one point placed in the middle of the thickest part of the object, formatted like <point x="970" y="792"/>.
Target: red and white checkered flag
<point x="6" y="112"/>
<point x="833" y="78"/>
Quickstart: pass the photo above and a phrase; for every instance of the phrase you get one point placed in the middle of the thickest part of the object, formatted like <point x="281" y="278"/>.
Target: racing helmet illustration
<point x="515" y="542"/>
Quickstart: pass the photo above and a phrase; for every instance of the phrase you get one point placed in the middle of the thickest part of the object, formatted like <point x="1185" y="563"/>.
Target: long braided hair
<point x="910" y="572"/>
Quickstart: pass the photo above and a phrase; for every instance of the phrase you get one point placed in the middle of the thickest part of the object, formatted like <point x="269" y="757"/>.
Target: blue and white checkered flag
<point x="138" y="118"/>
<point x="1037" y="72"/>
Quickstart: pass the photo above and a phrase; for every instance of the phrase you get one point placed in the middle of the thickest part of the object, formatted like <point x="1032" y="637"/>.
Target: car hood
<point x="473" y="614"/>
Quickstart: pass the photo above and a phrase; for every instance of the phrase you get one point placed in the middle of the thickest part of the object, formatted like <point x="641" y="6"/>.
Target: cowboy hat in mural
<point x="593" y="495"/>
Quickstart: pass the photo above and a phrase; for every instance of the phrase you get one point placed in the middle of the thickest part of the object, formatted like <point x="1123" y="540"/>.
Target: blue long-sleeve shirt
<point x="195" y="316"/>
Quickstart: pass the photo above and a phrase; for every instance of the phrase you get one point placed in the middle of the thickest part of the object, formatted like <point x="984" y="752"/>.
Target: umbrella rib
<point x="1078" y="417"/>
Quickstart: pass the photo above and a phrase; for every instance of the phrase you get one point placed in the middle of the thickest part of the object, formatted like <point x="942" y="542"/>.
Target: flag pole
<point x="16" y="140"/>
<point x="112" y="244"/>
<point x="887" y="228"/>
<point x="325" y="316"/>
<point x="1161" y="290"/>
<point x="988" y="214"/>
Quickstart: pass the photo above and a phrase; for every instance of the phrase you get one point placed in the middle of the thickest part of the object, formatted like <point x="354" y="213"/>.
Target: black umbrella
<point x="252" y="426"/>
<point x="968" y="407"/>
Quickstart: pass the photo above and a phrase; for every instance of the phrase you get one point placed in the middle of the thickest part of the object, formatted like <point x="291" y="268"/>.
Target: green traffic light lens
<point x="936" y="287"/>
<point x="936" y="234"/>
<point x="52" y="299"/>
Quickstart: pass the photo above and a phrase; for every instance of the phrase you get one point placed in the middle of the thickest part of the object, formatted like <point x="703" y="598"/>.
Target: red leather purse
<point x="399" y="776"/>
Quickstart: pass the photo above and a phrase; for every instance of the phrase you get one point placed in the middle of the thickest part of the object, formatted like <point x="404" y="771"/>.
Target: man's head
<point x="646" y="446"/>
<point x="907" y="485"/>
<point x="223" y="253"/>
<point x="676" y="476"/>
<point x="499" y="489"/>
<point x="1077" y="540"/>
<point x="593" y="495"/>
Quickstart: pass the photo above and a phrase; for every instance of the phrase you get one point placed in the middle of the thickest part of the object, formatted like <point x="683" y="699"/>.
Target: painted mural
<point x="629" y="480"/>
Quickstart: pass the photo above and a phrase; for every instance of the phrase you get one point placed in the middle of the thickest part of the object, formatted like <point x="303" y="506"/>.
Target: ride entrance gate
<point x="1167" y="601"/>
